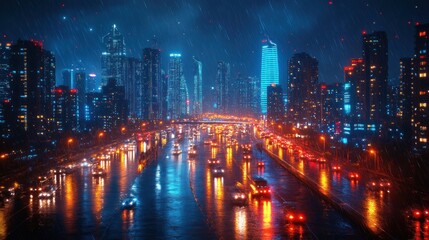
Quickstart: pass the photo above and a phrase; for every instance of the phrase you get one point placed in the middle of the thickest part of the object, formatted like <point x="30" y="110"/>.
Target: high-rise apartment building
<point x="375" y="58"/>
<point x="275" y="107"/>
<point x="420" y="89"/>
<point x="303" y="90"/>
<point x="65" y="110"/>
<point x="32" y="82"/>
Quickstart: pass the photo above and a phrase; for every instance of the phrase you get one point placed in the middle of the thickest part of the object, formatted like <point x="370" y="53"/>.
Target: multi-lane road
<point x="177" y="197"/>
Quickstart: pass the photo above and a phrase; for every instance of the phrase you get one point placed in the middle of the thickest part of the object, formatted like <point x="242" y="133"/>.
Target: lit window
<point x="422" y="63"/>
<point x="423" y="140"/>
<point x="422" y="93"/>
<point x="422" y="75"/>
<point x="422" y="104"/>
<point x="422" y="33"/>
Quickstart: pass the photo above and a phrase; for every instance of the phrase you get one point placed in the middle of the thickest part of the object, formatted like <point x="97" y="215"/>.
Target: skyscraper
<point x="80" y="85"/>
<point x="4" y="71"/>
<point x="302" y="90"/>
<point x="269" y="70"/>
<point x="151" y="84"/>
<point x="68" y="77"/>
<point x="112" y="59"/>
<point x="197" y="103"/>
<point x="376" y="60"/>
<point x="405" y="97"/>
<point x="222" y="90"/>
<point x="420" y="89"/>
<point x="32" y="84"/>
<point x="356" y="103"/>
<point x="133" y="85"/>
<point x="4" y="81"/>
<point x="176" y="87"/>
<point x="275" y="107"/>
<point x="65" y="109"/>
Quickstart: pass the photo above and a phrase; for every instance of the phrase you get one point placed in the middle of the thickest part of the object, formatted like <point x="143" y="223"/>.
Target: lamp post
<point x="372" y="151"/>
<point x="100" y="136"/>
<point x="69" y="142"/>
<point x="324" y="143"/>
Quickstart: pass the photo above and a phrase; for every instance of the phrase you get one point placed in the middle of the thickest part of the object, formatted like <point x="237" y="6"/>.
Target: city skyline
<point x="73" y="30"/>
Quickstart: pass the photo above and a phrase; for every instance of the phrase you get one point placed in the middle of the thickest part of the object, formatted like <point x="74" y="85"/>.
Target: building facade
<point x="269" y="70"/>
<point x="151" y="85"/>
<point x="112" y="59"/>
<point x="302" y="103"/>
<point x="197" y="103"/>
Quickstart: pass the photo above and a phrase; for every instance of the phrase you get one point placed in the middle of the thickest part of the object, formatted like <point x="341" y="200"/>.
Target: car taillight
<point x="301" y="217"/>
<point x="291" y="217"/>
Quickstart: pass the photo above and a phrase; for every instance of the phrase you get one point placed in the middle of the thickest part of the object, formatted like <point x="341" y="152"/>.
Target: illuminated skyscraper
<point x="4" y="80"/>
<point x="32" y="85"/>
<point x="112" y="59"/>
<point x="176" y="87"/>
<point x="222" y="87"/>
<point x="404" y="114"/>
<point x="269" y="70"/>
<point x="275" y="107"/>
<point x="198" y="88"/>
<point x="151" y="84"/>
<point x="80" y="84"/>
<point x="303" y="90"/>
<point x="420" y="89"/>
<point x="375" y="60"/>
<point x="65" y="109"/>
<point x="133" y="86"/>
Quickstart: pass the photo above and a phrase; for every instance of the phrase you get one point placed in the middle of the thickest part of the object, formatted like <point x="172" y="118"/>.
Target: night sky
<point x="217" y="30"/>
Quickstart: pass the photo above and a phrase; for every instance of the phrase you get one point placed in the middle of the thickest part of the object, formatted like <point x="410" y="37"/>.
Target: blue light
<point x="347" y="108"/>
<point x="269" y="71"/>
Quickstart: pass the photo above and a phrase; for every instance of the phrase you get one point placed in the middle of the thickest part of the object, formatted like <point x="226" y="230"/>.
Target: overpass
<point x="226" y="122"/>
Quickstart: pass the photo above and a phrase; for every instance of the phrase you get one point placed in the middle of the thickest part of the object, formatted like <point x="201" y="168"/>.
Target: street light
<point x="69" y="141"/>
<point x="324" y="143"/>
<point x="372" y="151"/>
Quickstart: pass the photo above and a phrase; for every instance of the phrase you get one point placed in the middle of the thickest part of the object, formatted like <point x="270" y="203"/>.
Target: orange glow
<point x="240" y="216"/>
<point x="422" y="34"/>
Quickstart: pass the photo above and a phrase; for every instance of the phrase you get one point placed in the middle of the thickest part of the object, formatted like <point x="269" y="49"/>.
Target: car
<point x="261" y="164"/>
<point x="247" y="157"/>
<point x="260" y="188"/>
<point x="98" y="172"/>
<point x="321" y="160"/>
<point x="353" y="176"/>
<point x="85" y="163"/>
<point x="238" y="195"/>
<point x="129" y="203"/>
<point x="213" y="161"/>
<point x="192" y="152"/>
<point x="336" y="168"/>
<point x="218" y="171"/>
<point x="295" y="217"/>
<point x="418" y="213"/>
<point x="381" y="184"/>
<point x="47" y="192"/>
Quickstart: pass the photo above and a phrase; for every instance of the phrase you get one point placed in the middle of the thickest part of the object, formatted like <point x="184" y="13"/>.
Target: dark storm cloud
<point x="217" y="30"/>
